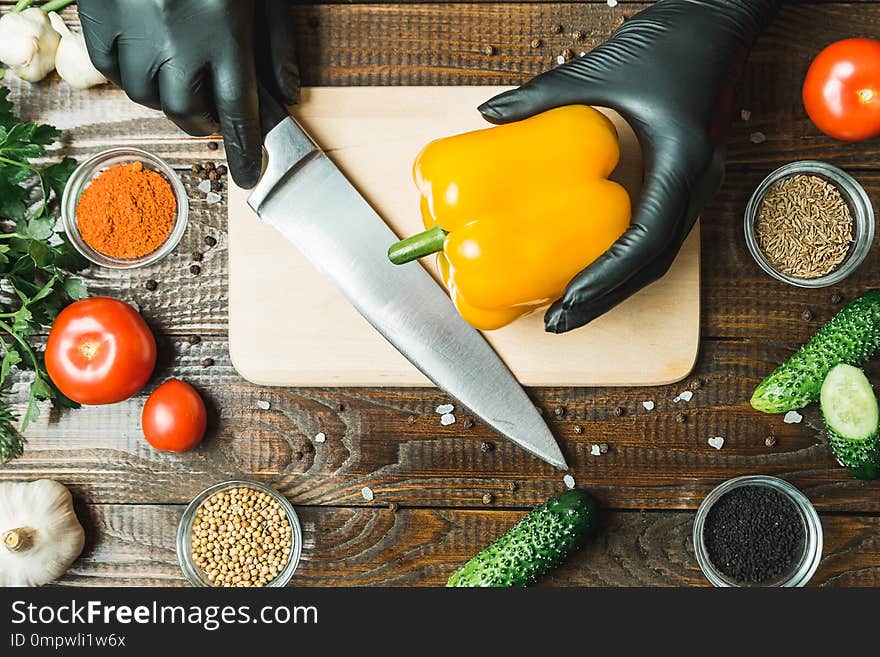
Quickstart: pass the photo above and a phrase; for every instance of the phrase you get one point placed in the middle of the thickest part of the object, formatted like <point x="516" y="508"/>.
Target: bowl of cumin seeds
<point x="809" y="224"/>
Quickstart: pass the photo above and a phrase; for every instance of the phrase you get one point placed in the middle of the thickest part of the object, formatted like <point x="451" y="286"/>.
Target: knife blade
<point x="311" y="203"/>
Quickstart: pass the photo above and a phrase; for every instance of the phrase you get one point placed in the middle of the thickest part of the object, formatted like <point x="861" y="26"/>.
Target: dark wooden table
<point x="428" y="514"/>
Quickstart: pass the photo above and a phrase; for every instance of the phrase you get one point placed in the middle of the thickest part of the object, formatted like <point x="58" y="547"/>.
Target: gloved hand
<point x="196" y="60"/>
<point x="671" y="71"/>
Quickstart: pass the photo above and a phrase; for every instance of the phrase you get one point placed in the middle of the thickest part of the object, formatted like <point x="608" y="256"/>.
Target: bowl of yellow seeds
<point x="239" y="534"/>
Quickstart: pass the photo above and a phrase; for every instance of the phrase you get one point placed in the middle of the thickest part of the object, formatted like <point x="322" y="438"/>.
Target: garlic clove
<point x="72" y="58"/>
<point x="28" y="44"/>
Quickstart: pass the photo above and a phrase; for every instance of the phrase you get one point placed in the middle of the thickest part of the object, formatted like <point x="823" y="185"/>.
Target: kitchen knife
<point x="311" y="203"/>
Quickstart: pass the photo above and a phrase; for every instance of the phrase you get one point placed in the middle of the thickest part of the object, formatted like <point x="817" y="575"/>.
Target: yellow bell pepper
<point x="517" y="210"/>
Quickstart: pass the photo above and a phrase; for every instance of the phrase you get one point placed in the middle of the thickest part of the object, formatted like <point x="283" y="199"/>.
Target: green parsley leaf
<point x="35" y="263"/>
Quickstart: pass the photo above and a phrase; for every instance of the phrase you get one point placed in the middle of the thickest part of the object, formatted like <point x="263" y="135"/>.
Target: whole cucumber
<point x="537" y="543"/>
<point x="851" y="336"/>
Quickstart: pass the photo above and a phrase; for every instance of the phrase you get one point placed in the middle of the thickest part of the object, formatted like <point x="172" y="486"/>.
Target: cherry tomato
<point x="174" y="417"/>
<point x="100" y="351"/>
<point x="842" y="90"/>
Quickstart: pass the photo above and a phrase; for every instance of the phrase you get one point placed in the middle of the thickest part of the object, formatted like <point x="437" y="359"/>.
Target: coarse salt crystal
<point x="367" y="493"/>
<point x="263" y="404"/>
<point x="447" y="419"/>
<point x="212" y="198"/>
<point x="717" y="442"/>
<point x="320" y="437"/>
<point x="569" y="481"/>
<point x="685" y="396"/>
<point x="649" y="405"/>
<point x="560" y="59"/>
<point x="582" y="53"/>
<point x="793" y="417"/>
<point x="443" y="409"/>
<point x="745" y="114"/>
<point x="595" y="450"/>
<point x="205" y="186"/>
<point x="758" y="138"/>
<point x="612" y="3"/>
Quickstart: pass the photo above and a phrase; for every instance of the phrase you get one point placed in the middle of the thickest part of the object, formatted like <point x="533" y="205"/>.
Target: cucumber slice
<point x="852" y="419"/>
<point x="849" y="404"/>
<point x="851" y="336"/>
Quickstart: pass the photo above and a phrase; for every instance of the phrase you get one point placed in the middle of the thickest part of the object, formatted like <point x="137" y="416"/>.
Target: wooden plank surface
<point x="129" y="496"/>
<point x="344" y="546"/>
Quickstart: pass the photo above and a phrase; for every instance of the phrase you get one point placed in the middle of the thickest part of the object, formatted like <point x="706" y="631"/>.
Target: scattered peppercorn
<point x="210" y="241"/>
<point x="807" y="315"/>
<point x="213" y="176"/>
<point x="603" y="448"/>
<point x="619" y="411"/>
<point x="836" y="298"/>
<point x="559" y="411"/>
<point x="222" y="170"/>
<point x="241" y="537"/>
<point x="298" y="456"/>
<point x="754" y="534"/>
<point x="577" y="35"/>
<point x="697" y="384"/>
<point x="578" y="429"/>
<point x="536" y="43"/>
<point x="487" y="447"/>
<point x="556" y="29"/>
<point x="197" y="256"/>
<point x="468" y="423"/>
<point x="209" y="166"/>
<point x="681" y="418"/>
<point x="195" y="270"/>
<point x="489" y="50"/>
<point x="151" y="285"/>
<point x="770" y="441"/>
<point x="193" y="339"/>
<point x="195" y="168"/>
<point x="511" y="486"/>
<point x="487" y="498"/>
<point x="213" y="146"/>
<point x="340" y="407"/>
<point x="568" y="53"/>
<point x="411" y="419"/>
<point x="208" y="362"/>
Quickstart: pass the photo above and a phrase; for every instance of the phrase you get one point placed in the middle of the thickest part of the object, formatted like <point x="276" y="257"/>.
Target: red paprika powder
<point x="127" y="211"/>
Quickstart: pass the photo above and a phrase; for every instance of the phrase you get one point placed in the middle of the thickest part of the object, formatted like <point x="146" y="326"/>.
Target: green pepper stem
<point x="417" y="246"/>
<point x="21" y="5"/>
<point x="55" y="5"/>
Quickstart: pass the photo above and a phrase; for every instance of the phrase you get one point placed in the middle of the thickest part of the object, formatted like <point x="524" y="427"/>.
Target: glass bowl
<point x="802" y="569"/>
<point x="194" y="574"/>
<point x="854" y="195"/>
<point x="87" y="171"/>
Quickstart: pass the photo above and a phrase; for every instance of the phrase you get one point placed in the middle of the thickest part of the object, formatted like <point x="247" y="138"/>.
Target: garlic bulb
<point x="28" y="43"/>
<point x="40" y="535"/>
<point x="72" y="59"/>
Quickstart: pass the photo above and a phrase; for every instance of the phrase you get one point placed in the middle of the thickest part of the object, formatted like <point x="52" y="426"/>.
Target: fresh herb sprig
<point x="34" y="265"/>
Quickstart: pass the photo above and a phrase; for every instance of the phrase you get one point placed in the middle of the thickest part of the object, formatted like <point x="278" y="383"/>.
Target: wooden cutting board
<point x="288" y="326"/>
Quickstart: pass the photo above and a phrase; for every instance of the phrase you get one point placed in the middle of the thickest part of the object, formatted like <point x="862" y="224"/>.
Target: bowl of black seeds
<point x="757" y="531"/>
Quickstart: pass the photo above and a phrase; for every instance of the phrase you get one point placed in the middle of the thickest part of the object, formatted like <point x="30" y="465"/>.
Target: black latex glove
<point x="196" y="60"/>
<point x="671" y="71"/>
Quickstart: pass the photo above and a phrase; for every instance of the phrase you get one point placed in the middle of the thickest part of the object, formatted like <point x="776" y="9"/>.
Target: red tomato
<point x="100" y="351"/>
<point x="174" y="417"/>
<point x="842" y="90"/>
